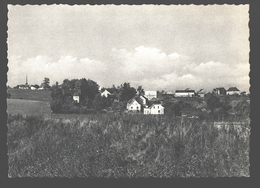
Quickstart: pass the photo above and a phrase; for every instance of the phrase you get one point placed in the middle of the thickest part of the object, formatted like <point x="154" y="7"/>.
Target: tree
<point x="127" y="92"/>
<point x="140" y="91"/>
<point x="46" y="83"/>
<point x="99" y="102"/>
<point x="88" y="88"/>
<point x="213" y="102"/>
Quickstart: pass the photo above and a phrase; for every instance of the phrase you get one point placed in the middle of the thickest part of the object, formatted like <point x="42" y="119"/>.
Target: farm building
<point x="233" y="91"/>
<point x="184" y="93"/>
<point x="76" y="96"/>
<point x="201" y="93"/>
<point x="105" y="93"/>
<point x="33" y="88"/>
<point x="150" y="94"/>
<point x="24" y="86"/>
<point x="133" y="105"/>
<point x="219" y="91"/>
<point x="154" y="109"/>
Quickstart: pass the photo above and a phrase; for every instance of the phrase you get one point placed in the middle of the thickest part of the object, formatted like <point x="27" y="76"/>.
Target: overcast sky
<point x="158" y="47"/>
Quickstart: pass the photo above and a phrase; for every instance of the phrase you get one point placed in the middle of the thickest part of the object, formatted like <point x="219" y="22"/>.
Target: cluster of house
<point x="27" y="86"/>
<point x="146" y="104"/>
<point x="223" y="91"/>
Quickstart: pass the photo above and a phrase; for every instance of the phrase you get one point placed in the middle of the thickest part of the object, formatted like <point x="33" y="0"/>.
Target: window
<point x="158" y="106"/>
<point x="137" y="107"/>
<point x="131" y="107"/>
<point x="153" y="106"/>
<point x="158" y="111"/>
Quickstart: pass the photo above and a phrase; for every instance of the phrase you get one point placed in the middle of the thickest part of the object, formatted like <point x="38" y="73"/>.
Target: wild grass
<point x="124" y="145"/>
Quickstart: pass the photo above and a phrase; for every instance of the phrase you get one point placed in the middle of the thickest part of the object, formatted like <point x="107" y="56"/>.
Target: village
<point x="189" y="102"/>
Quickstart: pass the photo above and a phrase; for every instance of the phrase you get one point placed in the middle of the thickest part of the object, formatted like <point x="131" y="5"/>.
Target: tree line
<point x="90" y="98"/>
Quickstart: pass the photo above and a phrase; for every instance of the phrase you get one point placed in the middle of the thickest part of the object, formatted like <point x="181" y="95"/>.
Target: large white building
<point x="150" y="94"/>
<point x="154" y="109"/>
<point x="184" y="93"/>
<point x="233" y="91"/>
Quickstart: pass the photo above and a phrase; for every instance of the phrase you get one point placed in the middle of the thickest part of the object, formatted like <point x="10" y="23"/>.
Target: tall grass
<point x="124" y="145"/>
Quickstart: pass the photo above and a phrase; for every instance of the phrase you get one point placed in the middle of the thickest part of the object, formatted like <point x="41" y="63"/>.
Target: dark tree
<point x="140" y="91"/>
<point x="46" y="83"/>
<point x="127" y="92"/>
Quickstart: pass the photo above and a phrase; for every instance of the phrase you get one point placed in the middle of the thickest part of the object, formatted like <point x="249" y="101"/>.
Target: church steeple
<point x="26" y="81"/>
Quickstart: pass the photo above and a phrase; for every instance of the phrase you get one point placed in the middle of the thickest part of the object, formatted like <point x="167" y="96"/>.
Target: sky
<point x="156" y="47"/>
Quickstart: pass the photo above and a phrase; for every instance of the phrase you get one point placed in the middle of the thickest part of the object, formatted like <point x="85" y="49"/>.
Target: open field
<point x="38" y="95"/>
<point x="42" y="144"/>
<point x="28" y="107"/>
<point x="124" y="145"/>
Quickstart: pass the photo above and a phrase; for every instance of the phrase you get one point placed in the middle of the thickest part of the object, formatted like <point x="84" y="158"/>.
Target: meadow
<point x="121" y="145"/>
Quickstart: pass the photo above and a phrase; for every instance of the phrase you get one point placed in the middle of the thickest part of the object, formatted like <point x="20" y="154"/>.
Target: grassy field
<point x="26" y="94"/>
<point x="28" y="107"/>
<point x="42" y="144"/>
<point x="114" y="145"/>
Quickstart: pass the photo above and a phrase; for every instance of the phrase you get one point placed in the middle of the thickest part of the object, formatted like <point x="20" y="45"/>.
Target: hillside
<point x="38" y="95"/>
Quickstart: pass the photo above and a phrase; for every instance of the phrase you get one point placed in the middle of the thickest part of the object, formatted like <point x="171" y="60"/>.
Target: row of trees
<point x="90" y="97"/>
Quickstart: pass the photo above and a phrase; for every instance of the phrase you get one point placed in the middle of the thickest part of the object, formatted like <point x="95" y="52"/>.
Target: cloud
<point x="57" y="70"/>
<point x="150" y="67"/>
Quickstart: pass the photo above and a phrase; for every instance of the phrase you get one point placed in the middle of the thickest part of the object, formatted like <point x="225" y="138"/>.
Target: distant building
<point x="154" y="109"/>
<point x="150" y="94"/>
<point x="25" y="86"/>
<point x="185" y="93"/>
<point x="201" y="93"/>
<point x="233" y="91"/>
<point x="76" y="96"/>
<point x="133" y="105"/>
<point x="219" y="91"/>
<point x="105" y="93"/>
<point x="33" y="88"/>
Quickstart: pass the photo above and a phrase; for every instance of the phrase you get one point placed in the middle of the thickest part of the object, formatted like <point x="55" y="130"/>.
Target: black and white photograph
<point x="128" y="91"/>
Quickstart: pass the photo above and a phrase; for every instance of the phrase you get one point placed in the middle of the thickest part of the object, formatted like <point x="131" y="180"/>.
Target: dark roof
<point x="131" y="101"/>
<point x="184" y="91"/>
<point x="233" y="89"/>
<point x="77" y="93"/>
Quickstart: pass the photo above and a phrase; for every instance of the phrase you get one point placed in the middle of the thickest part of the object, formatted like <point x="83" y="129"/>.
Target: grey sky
<point x="158" y="47"/>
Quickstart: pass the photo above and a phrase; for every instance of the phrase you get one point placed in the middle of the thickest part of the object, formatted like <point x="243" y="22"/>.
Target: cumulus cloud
<point x="150" y="67"/>
<point x="57" y="70"/>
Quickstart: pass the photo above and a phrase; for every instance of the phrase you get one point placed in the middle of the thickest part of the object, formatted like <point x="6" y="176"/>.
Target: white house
<point x="105" y="93"/>
<point x="76" y="96"/>
<point x="233" y="91"/>
<point x="150" y="94"/>
<point x="133" y="105"/>
<point x="184" y="93"/>
<point x="33" y="88"/>
<point x="154" y="109"/>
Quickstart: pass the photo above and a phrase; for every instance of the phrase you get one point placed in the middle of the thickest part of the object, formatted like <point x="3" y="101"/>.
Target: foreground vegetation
<point x="124" y="145"/>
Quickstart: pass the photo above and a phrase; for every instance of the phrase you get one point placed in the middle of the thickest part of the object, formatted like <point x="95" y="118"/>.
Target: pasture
<point x="27" y="94"/>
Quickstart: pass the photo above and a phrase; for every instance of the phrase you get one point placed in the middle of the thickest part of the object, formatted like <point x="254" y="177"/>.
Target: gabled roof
<point x="201" y="91"/>
<point x="77" y="93"/>
<point x="233" y="89"/>
<point x="131" y="101"/>
<point x="155" y="104"/>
